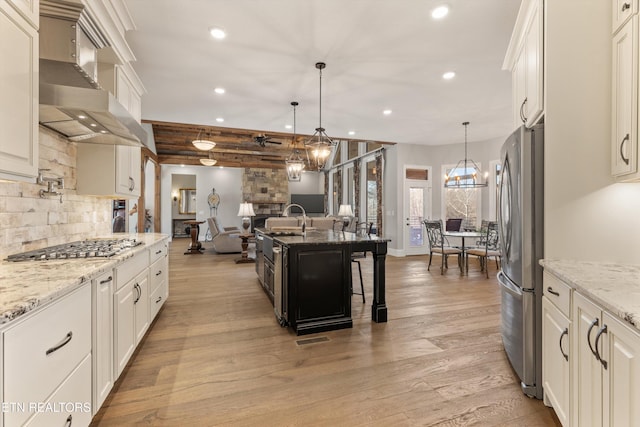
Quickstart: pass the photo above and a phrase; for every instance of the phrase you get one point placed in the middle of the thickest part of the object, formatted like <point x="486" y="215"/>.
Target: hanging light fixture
<point x="320" y="145"/>
<point x="466" y="173"/>
<point x="208" y="161"/>
<point x="295" y="163"/>
<point x="203" y="144"/>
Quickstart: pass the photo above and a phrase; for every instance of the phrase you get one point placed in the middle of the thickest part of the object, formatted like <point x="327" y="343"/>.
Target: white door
<point x="417" y="208"/>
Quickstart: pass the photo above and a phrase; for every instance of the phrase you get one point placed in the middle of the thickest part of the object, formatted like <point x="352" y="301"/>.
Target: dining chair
<point x="438" y="244"/>
<point x="490" y="248"/>
<point x="361" y="227"/>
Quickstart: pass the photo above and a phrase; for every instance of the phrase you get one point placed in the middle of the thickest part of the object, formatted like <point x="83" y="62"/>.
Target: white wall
<point x="435" y="156"/>
<point x="587" y="216"/>
<point x="312" y="182"/>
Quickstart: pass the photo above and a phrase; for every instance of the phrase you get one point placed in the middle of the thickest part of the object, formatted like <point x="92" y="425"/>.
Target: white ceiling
<point x="380" y="54"/>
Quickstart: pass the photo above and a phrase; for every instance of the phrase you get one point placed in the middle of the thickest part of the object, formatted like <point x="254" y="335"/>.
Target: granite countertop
<point x="314" y="237"/>
<point x="24" y="286"/>
<point x="615" y="287"/>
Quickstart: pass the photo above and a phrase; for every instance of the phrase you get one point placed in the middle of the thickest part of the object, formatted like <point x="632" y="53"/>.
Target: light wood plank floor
<point x="217" y="356"/>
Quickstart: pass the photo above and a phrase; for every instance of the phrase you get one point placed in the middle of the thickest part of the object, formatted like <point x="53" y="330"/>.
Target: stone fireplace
<point x="267" y="189"/>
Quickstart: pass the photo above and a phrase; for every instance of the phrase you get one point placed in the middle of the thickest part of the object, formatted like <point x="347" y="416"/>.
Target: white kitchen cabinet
<point x="606" y="368"/>
<point x="108" y="170"/>
<point x="557" y="333"/>
<point x="42" y="351"/>
<point x="624" y="104"/>
<point x="102" y="294"/>
<point x="622" y="11"/>
<point x="556" y="330"/>
<point x="158" y="278"/>
<point x="525" y="57"/>
<point x="131" y="308"/>
<point x="118" y="80"/>
<point x="30" y="9"/>
<point x="19" y="88"/>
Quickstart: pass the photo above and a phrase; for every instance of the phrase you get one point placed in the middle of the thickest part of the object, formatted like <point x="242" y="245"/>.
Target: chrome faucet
<point x="304" y="215"/>
<point x="53" y="185"/>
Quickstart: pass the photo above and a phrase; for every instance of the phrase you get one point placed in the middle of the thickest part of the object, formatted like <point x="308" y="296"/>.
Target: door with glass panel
<point x="417" y="208"/>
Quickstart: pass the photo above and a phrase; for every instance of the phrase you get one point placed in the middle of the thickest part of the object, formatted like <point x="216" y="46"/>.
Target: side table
<point x="195" y="247"/>
<point x="245" y="254"/>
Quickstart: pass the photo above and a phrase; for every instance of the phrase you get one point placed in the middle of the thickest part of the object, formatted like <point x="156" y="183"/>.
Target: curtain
<point x="326" y="193"/>
<point x="338" y="188"/>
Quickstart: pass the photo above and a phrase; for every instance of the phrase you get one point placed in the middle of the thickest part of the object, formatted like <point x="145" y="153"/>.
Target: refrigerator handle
<point x="508" y="286"/>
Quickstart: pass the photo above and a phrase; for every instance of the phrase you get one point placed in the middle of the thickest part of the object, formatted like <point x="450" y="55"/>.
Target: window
<point x="461" y="202"/>
<point x="372" y="192"/>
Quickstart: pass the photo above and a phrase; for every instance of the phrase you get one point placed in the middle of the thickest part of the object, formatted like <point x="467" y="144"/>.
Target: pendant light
<point x="320" y="145"/>
<point x="294" y="162"/>
<point x="208" y="161"/>
<point x="203" y="144"/>
<point x="466" y="173"/>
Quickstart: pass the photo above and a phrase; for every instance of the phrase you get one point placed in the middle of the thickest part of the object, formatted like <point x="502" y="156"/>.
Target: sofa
<point x="318" y="223"/>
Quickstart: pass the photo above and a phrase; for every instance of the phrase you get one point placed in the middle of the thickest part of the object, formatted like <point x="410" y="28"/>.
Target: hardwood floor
<point x="216" y="356"/>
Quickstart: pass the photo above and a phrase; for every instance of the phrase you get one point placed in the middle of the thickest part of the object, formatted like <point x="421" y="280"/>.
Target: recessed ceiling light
<point x="288" y="126"/>
<point x="386" y="112"/>
<point x="448" y="75"/>
<point x="217" y="33"/>
<point x="219" y="119"/>
<point x="82" y="116"/>
<point x="93" y="125"/>
<point x="219" y="90"/>
<point x="351" y="132"/>
<point x="439" y="12"/>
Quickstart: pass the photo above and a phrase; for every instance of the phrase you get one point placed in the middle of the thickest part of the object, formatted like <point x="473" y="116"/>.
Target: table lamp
<point x="246" y="211"/>
<point x="346" y="213"/>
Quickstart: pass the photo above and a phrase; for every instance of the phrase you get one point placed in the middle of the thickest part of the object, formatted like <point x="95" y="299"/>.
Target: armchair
<point x="225" y="240"/>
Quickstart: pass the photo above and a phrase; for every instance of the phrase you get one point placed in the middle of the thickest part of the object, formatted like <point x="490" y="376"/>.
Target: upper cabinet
<point x="124" y="84"/>
<point x="19" y="83"/>
<point x="29" y="9"/>
<point x="624" y="91"/>
<point x="109" y="170"/>
<point x="525" y="59"/>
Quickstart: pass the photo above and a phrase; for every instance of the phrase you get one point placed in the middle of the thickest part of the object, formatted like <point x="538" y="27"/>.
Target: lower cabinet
<point x="555" y="360"/>
<point x="47" y="361"/>
<point x="103" y="377"/>
<point x="606" y="368"/>
<point x="131" y="318"/>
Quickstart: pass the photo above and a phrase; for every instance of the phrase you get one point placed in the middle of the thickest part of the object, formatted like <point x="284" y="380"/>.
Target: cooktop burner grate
<point x="94" y="248"/>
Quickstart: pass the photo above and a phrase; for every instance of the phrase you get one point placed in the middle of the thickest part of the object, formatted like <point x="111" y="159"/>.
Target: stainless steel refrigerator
<point x="520" y="218"/>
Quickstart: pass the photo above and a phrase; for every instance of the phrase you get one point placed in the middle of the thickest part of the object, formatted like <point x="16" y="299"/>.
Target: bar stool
<point x="357" y="256"/>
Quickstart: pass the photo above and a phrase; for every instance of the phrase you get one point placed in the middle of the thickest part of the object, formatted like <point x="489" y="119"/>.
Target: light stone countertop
<point x="25" y="286"/>
<point x="615" y="287"/>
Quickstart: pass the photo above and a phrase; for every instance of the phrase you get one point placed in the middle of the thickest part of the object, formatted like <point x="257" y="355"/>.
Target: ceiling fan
<point x="263" y="139"/>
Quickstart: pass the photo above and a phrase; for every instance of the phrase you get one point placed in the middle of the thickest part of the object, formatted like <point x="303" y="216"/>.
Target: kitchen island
<point x="312" y="282"/>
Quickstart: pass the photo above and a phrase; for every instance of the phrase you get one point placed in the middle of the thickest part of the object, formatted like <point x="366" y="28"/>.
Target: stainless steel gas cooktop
<point x="95" y="248"/>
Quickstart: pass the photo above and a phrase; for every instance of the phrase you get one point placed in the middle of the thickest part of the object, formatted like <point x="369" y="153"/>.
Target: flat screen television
<point x="312" y="203"/>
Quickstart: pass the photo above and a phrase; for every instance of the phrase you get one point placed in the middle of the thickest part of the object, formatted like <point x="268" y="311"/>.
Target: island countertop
<point x="328" y="237"/>
<point x="616" y="287"/>
<point x="25" y="286"/>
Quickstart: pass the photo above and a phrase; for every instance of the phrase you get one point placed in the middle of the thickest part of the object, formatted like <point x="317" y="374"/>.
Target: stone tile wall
<point x="267" y="189"/>
<point x="29" y="222"/>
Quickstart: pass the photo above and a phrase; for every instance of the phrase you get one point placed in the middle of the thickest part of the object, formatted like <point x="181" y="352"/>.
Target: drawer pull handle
<point x="64" y="342"/>
<point x="552" y="292"/>
<point x="602" y="330"/>
<point x="625" y="6"/>
<point x="159" y="252"/>
<point x="624" y="159"/>
<point x="139" y="291"/>
<point x="158" y="300"/>
<point x="593" y="324"/>
<point x="69" y="421"/>
<point x="107" y="280"/>
<point x="562" y="335"/>
<point x="159" y="272"/>
<point x="522" y="116"/>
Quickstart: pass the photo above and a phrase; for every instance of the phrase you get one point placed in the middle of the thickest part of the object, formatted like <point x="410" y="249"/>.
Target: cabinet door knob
<point x="624" y="159"/>
<point x="626" y="6"/>
<point x="562" y="335"/>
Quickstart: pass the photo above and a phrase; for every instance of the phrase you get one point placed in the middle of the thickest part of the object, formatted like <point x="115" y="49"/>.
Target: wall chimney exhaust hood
<point x="72" y="102"/>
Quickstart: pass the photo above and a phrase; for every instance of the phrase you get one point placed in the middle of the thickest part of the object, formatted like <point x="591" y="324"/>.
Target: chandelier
<point x="203" y="144"/>
<point x="466" y="173"/>
<point x="294" y="162"/>
<point x="319" y="144"/>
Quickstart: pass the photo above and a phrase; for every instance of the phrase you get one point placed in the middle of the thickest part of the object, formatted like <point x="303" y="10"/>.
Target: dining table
<point x="462" y="235"/>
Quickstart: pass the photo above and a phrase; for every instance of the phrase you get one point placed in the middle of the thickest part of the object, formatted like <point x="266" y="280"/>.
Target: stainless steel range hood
<point x="72" y="102"/>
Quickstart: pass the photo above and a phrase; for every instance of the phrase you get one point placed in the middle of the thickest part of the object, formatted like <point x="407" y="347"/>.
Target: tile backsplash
<point x="29" y="222"/>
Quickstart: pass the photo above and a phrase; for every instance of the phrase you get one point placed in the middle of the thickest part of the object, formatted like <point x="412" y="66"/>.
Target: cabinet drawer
<point x="157" y="299"/>
<point x="71" y="403"/>
<point x="42" y="350"/>
<point x="158" y="273"/>
<point x="157" y="251"/>
<point x="558" y="292"/>
<point x="622" y="11"/>
<point x="131" y="267"/>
